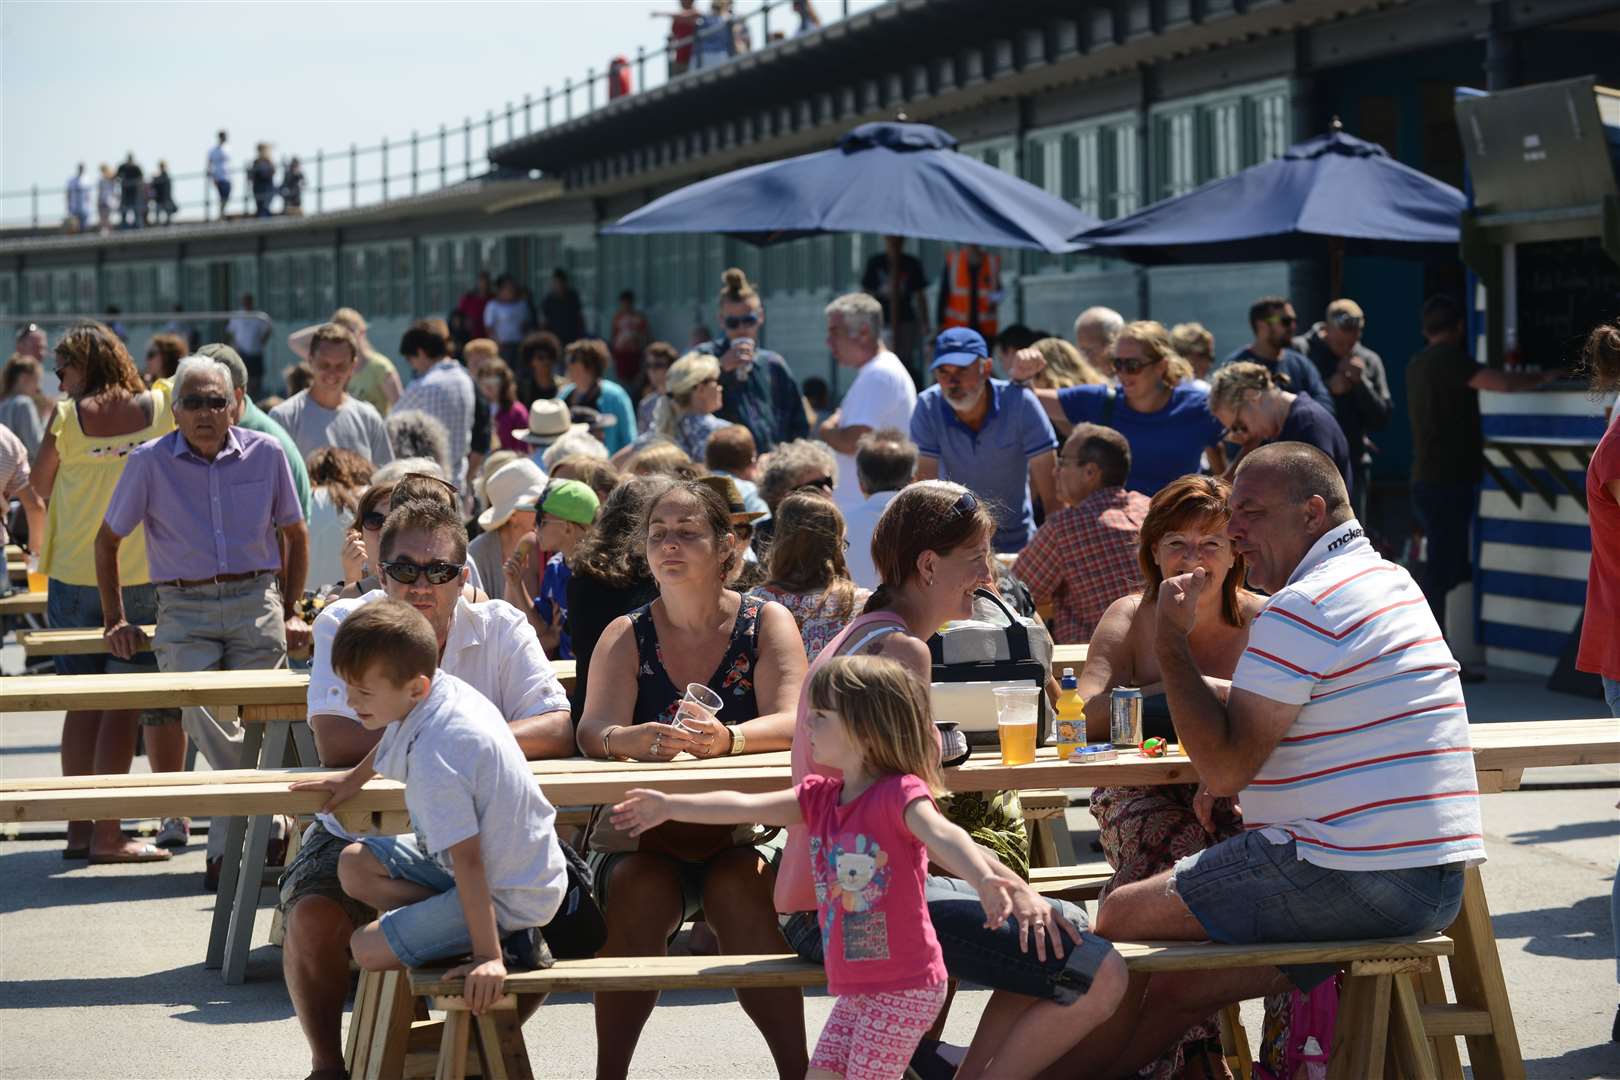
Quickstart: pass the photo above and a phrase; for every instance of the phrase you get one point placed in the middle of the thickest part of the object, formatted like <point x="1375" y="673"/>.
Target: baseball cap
<point x="571" y="500"/>
<point x="230" y="358"/>
<point x="960" y="347"/>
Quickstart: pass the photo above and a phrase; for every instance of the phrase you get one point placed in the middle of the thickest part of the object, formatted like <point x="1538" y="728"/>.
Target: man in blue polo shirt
<point x="987" y="435"/>
<point x="1273" y="321"/>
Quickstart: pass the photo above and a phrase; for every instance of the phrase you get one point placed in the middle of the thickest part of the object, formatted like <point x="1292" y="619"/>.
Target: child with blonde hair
<point x="872" y="834"/>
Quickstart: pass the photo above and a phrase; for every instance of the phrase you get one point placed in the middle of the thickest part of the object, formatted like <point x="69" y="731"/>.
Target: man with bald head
<point x="1345" y="738"/>
<point x="1095" y="330"/>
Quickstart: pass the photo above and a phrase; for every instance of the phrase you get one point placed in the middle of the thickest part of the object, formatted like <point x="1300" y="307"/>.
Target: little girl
<point x="871" y="837"/>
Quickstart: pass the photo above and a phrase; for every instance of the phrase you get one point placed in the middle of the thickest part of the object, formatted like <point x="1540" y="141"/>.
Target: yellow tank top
<point x="89" y="470"/>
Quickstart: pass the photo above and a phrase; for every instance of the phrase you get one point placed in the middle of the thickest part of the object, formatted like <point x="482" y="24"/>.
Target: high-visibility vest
<point x="957" y="274"/>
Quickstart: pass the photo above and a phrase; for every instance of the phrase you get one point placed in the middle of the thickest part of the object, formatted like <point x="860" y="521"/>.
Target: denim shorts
<point x="68" y="606"/>
<point x="428" y="930"/>
<point x="986" y="957"/>
<point x="1250" y="891"/>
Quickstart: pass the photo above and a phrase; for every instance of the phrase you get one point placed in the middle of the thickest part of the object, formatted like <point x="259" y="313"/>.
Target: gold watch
<point x="739" y="743"/>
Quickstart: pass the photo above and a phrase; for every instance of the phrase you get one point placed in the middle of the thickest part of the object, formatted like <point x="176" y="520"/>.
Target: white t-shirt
<point x="248" y="334"/>
<point x="881" y="396"/>
<point x="504" y="320"/>
<point x="491" y="648"/>
<point x="465" y="776"/>
<point x="1376" y="772"/>
<point x="859" y="521"/>
<point x="353" y="425"/>
<point x="219" y="164"/>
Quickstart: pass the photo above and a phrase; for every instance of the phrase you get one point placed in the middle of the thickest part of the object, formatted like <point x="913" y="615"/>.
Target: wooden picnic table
<point x="23" y="603"/>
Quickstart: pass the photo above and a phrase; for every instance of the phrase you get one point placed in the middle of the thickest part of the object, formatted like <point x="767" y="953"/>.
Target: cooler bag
<point x="972" y="657"/>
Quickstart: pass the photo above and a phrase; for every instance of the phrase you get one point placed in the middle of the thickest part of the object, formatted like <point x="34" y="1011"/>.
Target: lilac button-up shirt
<point x="207" y="518"/>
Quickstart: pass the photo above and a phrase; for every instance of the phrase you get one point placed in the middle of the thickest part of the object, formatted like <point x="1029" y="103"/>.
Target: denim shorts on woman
<point x="1250" y="891"/>
<point x="68" y="606"/>
<point x="990" y="958"/>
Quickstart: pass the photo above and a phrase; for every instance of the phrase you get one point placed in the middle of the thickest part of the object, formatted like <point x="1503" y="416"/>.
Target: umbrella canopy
<point x="896" y="179"/>
<point x="1331" y="190"/>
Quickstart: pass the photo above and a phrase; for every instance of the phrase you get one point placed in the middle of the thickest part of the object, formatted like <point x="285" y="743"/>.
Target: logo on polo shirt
<point x="1350" y="534"/>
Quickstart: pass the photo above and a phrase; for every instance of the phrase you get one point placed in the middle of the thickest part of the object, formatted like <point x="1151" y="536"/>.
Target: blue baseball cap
<point x="960" y="347"/>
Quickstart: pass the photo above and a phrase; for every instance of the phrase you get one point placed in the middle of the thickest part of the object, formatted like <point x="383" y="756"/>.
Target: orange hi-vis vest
<point x="957" y="310"/>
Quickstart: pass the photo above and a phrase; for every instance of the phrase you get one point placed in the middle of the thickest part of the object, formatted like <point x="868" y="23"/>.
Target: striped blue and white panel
<point x="1531" y="557"/>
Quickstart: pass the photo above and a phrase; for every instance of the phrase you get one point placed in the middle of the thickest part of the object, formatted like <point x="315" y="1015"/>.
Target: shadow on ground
<point x="1579" y="932"/>
<point x="1600" y="1060"/>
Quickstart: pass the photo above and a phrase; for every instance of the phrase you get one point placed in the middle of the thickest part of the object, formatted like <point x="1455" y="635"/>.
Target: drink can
<point x="1125" y="718"/>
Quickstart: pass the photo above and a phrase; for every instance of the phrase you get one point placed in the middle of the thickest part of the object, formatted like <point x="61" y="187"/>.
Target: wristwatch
<point x="739" y="742"/>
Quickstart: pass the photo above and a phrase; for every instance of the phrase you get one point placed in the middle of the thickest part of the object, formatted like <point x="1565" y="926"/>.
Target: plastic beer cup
<point x="1016" y="710"/>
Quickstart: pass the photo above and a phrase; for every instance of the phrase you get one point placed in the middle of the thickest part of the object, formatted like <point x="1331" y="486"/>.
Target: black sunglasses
<point x="29" y="329"/>
<point x="373" y="520"/>
<point x="406" y="572"/>
<point x="734" y="321"/>
<point x="966" y="504"/>
<point x="1132" y="365"/>
<point x="823" y="482"/>
<point x="199" y="402"/>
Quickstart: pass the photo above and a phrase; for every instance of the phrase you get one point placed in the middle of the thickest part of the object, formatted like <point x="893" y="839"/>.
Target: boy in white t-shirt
<point x="484" y="868"/>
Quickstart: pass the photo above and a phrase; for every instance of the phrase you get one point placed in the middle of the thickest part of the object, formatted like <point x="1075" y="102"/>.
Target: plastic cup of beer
<point x="1017" y="708"/>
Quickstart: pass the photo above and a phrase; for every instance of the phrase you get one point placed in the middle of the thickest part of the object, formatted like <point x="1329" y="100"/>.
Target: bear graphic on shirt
<point x="854" y="876"/>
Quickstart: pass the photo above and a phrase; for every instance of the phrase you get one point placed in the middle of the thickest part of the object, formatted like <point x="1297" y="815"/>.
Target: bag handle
<point x="1017" y="632"/>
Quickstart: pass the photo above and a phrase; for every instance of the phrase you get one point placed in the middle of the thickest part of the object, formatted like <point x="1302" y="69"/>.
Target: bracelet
<point x="606" y="735"/>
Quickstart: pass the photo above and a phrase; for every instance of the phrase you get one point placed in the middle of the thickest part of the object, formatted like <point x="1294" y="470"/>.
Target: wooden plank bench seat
<point x="1379" y="1012"/>
<point x="23" y="603"/>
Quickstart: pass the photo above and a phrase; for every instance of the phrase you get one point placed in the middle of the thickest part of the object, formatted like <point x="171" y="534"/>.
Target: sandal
<point x="144" y="853"/>
<point x="174" y="832"/>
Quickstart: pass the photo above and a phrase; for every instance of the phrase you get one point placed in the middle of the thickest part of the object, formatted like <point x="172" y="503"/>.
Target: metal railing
<point x="362" y="175"/>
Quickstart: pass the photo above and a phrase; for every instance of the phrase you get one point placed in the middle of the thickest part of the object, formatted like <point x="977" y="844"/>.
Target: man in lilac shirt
<point x="219" y="508"/>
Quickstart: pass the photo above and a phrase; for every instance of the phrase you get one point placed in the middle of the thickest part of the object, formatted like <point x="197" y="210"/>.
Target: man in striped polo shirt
<point x="1345" y="737"/>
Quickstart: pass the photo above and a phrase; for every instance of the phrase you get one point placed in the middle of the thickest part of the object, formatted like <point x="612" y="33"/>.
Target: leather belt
<point x="218" y="580"/>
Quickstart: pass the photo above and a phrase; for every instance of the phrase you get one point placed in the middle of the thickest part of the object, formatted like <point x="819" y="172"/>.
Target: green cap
<point x="571" y="501"/>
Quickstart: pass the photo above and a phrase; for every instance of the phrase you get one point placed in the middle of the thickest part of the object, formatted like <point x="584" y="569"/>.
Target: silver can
<point x="1125" y="718"/>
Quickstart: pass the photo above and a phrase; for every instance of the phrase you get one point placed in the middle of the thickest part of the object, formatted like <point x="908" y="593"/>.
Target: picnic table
<point x="23" y="603"/>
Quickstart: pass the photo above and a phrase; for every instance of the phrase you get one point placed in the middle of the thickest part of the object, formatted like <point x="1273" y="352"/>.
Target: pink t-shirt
<point x="795" y="891"/>
<point x="1600" y="633"/>
<point x="508" y="422"/>
<point x="869" y="873"/>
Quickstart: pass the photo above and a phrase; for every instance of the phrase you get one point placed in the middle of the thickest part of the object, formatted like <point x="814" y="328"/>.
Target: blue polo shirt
<point x="992" y="462"/>
<point x="1309" y="423"/>
<point x="1301" y="375"/>
<point x="1164" y="444"/>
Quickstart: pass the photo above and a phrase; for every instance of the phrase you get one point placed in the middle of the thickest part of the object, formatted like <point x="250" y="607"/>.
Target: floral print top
<point x="820" y="615"/>
<point x="658" y="699"/>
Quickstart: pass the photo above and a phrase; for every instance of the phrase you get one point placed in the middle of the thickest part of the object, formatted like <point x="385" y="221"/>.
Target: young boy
<point x="484" y="868"/>
<point x="568" y="509"/>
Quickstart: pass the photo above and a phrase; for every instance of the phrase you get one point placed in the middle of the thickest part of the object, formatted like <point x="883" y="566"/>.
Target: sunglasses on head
<point x="373" y="520"/>
<point x="825" y="483"/>
<point x="199" y="402"/>
<point x="1345" y="321"/>
<point x="30" y="329"/>
<point x="735" y="321"/>
<point x="438" y="571"/>
<point x="966" y="504"/>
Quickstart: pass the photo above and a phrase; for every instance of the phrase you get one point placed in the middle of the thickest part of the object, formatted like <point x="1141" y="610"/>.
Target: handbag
<point x="972" y="657"/>
<point x="578" y="930"/>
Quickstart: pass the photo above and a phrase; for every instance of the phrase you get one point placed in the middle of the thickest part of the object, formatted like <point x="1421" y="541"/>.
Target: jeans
<point x="80" y="605"/>
<point x="1445" y="511"/>
<point x="987" y="957"/>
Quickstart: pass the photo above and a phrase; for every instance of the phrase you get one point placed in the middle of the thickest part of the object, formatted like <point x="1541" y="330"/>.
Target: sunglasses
<point x="372" y="520"/>
<point x="1345" y="321"/>
<point x="825" y="483"/>
<point x="735" y="321"/>
<point x="438" y="571"/>
<point x="1281" y="320"/>
<point x="31" y="328"/>
<point x="1132" y="365"/>
<point x="966" y="504"/>
<point x="199" y="402"/>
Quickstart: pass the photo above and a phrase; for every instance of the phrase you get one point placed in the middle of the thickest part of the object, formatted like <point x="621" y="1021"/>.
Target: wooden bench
<point x="78" y="641"/>
<point x="1379" y="1013"/>
<point x="23" y="603"/>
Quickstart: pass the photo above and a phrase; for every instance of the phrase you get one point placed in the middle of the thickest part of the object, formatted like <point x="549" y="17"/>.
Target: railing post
<point x="510" y="135"/>
<point x="444" y="151"/>
<point x="208" y="198"/>
<point x="528" y="115"/>
<point x="590" y="89"/>
<point x="33" y="199"/>
<point x="385" y="168"/>
<point x="320" y="179"/>
<point x="548" y="106"/>
<point x="415" y="163"/>
<point x="489" y="134"/>
<point x="641" y="70"/>
<point x="466" y="147"/>
<point x="354" y="175"/>
<point x="765" y="25"/>
<point x="568" y="100"/>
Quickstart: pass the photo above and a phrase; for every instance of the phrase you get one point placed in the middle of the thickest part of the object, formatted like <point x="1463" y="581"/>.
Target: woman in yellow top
<point x="107" y="412"/>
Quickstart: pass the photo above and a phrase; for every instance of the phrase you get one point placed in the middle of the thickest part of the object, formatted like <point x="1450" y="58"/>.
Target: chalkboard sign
<point x="1566" y="287"/>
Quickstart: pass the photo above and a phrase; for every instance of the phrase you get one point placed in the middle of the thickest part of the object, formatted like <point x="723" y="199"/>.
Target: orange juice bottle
<point x="1071" y="716"/>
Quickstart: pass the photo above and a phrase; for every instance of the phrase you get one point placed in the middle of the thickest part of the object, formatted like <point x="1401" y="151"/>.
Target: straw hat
<point x="549" y="420"/>
<point x="726" y="488"/>
<point x="491" y="465"/>
<point x="508" y="488"/>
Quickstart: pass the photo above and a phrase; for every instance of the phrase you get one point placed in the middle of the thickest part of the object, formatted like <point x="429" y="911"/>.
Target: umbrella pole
<point x="1335" y="268"/>
<point x="894" y="304"/>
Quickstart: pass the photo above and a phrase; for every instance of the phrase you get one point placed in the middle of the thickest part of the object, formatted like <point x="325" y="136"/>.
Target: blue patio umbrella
<point x="1334" y="193"/>
<point x="898" y="179"/>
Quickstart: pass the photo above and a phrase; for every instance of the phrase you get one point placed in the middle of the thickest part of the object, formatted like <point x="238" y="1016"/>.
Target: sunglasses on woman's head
<point x="735" y="321"/>
<point x="373" y="520"/>
<point x="406" y="572"/>
<point x="825" y="483"/>
<point x="966" y="504"/>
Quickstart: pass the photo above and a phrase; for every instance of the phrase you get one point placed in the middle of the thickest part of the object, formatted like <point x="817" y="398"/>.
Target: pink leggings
<point x="872" y="1036"/>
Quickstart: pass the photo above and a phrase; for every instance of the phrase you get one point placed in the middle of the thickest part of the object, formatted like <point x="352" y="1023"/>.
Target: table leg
<point x="231" y="864"/>
<point x="1476" y="974"/>
<point x="304" y="744"/>
<point x="1407" y="1046"/>
<point x="1360" y="1032"/>
<point x="1432" y="990"/>
<point x="243" y="899"/>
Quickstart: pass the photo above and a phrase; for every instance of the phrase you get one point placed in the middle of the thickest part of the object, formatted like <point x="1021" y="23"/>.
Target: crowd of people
<point x="137" y="200"/>
<point x="734" y="571"/>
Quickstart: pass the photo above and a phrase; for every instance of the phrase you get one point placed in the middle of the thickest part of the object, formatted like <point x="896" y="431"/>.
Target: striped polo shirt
<point x="1376" y="772"/>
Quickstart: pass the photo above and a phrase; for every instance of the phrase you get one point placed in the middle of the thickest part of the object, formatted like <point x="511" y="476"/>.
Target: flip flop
<point x="144" y="853"/>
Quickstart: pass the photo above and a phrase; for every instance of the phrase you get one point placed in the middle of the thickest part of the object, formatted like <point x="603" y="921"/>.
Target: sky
<point x="89" y="81"/>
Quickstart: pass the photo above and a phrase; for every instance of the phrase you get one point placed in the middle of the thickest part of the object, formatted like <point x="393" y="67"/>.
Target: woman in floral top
<point x="808" y="575"/>
<point x="747" y="651"/>
<point x="685" y="413"/>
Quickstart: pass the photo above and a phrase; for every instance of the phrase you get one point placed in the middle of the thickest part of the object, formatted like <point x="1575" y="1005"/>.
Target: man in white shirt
<point x="442" y="389"/>
<point x="885" y="462"/>
<point x="1344" y="736"/>
<point x="78" y="200"/>
<point x="490" y="647"/>
<point x="882" y="395"/>
<point x="325" y="414"/>
<point x="247" y="333"/>
<point x="219" y="171"/>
